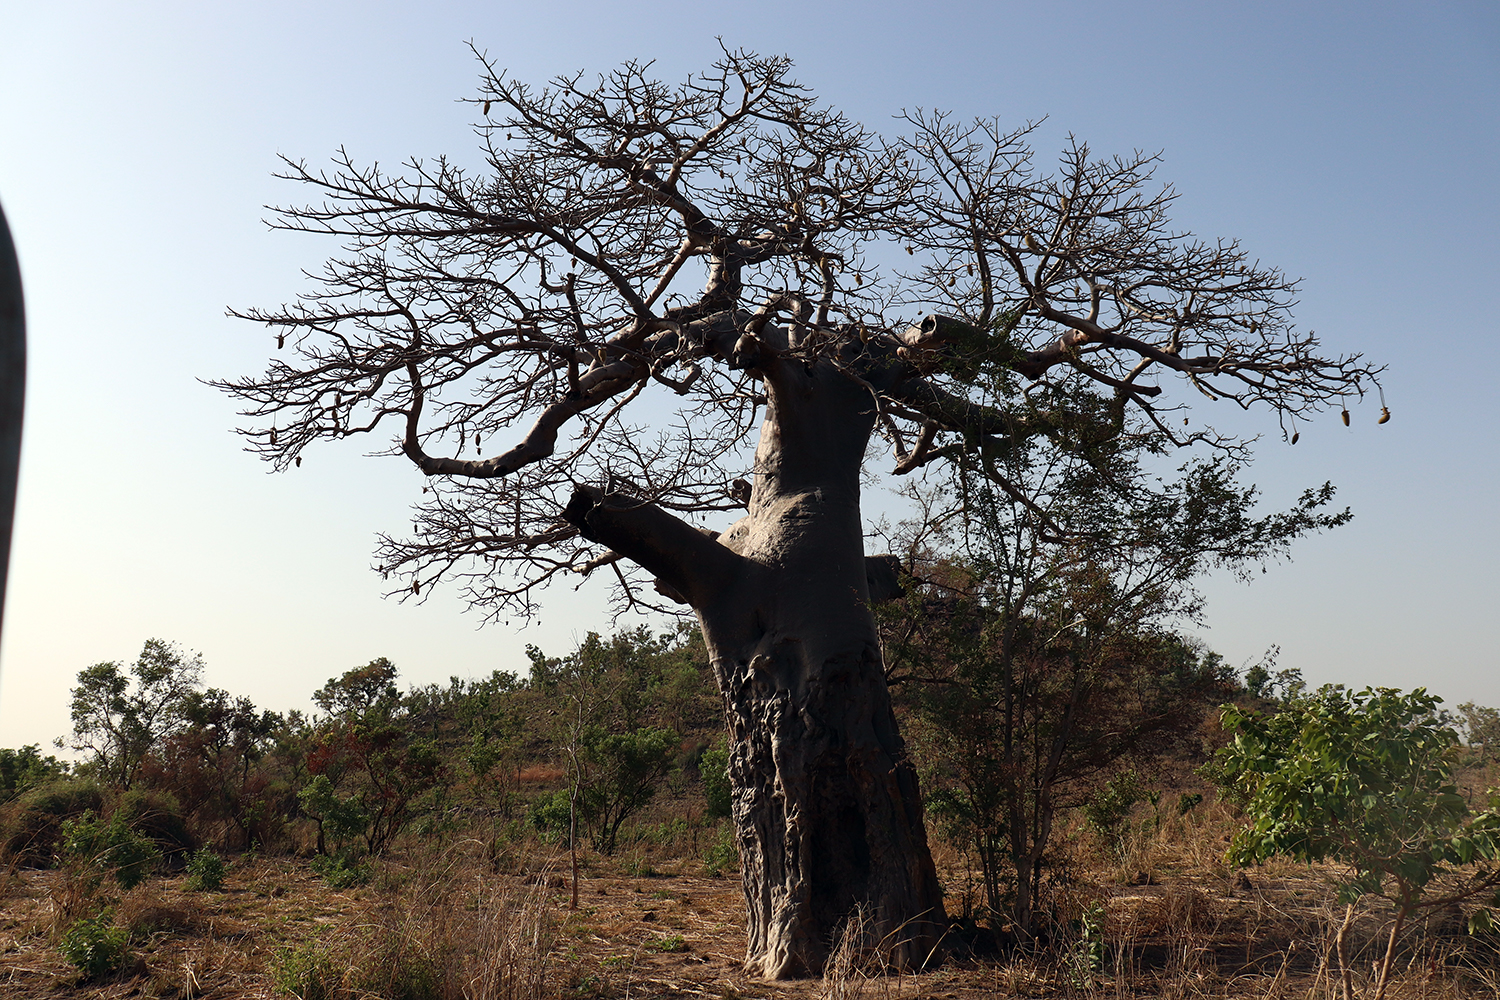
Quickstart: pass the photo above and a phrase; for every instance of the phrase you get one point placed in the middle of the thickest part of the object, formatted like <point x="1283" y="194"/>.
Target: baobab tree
<point x="577" y="342"/>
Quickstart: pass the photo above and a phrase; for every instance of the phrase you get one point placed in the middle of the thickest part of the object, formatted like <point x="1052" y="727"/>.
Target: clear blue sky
<point x="1354" y="145"/>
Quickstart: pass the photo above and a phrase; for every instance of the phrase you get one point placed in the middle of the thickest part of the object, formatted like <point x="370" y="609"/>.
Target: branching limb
<point x="692" y="563"/>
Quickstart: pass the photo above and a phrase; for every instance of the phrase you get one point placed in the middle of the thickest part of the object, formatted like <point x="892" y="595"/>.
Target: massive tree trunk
<point x="825" y="798"/>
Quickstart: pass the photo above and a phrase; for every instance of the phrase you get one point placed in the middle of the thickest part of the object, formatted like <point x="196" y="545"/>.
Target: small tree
<point x="1365" y="780"/>
<point x="623" y="771"/>
<point x="120" y="716"/>
<point x="24" y="769"/>
<point x="366" y="693"/>
<point x="1481" y="725"/>
<point x="1036" y="663"/>
<point x="368" y="768"/>
<point x="211" y="763"/>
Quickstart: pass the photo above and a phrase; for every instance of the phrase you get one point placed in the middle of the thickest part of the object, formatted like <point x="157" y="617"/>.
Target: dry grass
<point x="450" y="922"/>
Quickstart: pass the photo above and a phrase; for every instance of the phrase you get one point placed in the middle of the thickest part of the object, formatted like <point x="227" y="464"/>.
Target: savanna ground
<point x="487" y="916"/>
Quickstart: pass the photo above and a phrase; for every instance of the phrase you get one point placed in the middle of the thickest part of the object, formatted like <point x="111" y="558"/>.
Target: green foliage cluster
<point x="205" y="872"/>
<point x="307" y="971"/>
<point x="24" y="769"/>
<point x="1364" y="779"/>
<point x="343" y="870"/>
<point x="1108" y="809"/>
<point x="95" y="946"/>
<point x="722" y="855"/>
<point x="714" y="767"/>
<point x="96" y="849"/>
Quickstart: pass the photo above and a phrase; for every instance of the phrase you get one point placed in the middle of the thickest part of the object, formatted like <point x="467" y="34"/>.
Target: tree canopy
<point x="626" y="238"/>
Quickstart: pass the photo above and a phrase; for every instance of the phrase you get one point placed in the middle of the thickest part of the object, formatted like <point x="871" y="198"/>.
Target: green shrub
<point x="307" y="972"/>
<point x="714" y="769"/>
<point x="723" y="855"/>
<point x="94" y="945"/>
<point x="342" y="870"/>
<point x="205" y="871"/>
<point x="550" y="815"/>
<point x="340" y="819"/>
<point x="1366" y="780"/>
<point x="96" y="849"/>
<point x="626" y="769"/>
<point x="24" y="769"/>
<point x="1108" y="809"/>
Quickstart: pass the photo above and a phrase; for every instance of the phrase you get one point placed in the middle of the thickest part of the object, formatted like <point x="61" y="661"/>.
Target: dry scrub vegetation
<point x="413" y="847"/>
<point x="481" y="917"/>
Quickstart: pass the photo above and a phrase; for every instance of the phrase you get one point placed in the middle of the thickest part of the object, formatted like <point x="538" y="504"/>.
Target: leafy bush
<point x="24" y="769"/>
<point x="307" y="972"/>
<point x="205" y="872"/>
<point x="549" y="814"/>
<point x="1364" y="779"/>
<point x="714" y="768"/>
<point x="623" y="774"/>
<point x="342" y="870"/>
<point x="723" y="855"/>
<point x="340" y="819"/>
<point x="1108" y="809"/>
<point x="96" y="849"/>
<point x="94" y="945"/>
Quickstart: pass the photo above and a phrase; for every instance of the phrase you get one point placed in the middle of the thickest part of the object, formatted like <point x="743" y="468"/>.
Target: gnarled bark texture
<point x="825" y="798"/>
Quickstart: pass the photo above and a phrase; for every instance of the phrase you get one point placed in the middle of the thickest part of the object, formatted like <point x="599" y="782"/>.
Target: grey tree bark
<point x="825" y="799"/>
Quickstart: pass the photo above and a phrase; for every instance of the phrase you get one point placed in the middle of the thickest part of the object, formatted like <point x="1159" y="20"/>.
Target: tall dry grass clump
<point x="861" y="965"/>
<point x="441" y="929"/>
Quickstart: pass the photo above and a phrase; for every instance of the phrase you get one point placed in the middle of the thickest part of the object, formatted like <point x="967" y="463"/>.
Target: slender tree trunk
<point x="1346" y="977"/>
<point x="825" y="798"/>
<point x="1384" y="978"/>
<point x="573" y="793"/>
